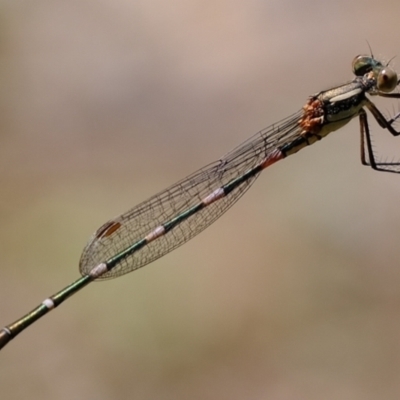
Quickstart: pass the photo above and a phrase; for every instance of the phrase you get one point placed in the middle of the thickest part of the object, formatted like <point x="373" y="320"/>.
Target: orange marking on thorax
<point x="313" y="116"/>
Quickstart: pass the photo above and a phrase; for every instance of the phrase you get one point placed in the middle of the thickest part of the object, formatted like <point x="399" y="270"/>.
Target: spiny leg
<point x="366" y="144"/>
<point x="380" y="118"/>
<point x="365" y="139"/>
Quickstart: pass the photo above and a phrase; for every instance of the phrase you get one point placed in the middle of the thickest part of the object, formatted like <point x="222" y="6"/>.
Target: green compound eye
<point x="363" y="64"/>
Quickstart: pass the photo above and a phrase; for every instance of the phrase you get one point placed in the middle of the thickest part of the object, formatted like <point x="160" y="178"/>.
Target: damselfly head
<point x="386" y="77"/>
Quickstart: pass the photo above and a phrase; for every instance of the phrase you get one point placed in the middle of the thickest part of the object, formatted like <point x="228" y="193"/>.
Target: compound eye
<point x="362" y="64"/>
<point x="387" y="80"/>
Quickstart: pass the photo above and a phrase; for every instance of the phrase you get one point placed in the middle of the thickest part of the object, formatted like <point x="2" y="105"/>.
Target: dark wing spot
<point x="107" y="229"/>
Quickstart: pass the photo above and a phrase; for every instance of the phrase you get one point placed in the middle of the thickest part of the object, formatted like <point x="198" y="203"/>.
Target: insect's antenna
<point x="370" y="48"/>
<point x="389" y="61"/>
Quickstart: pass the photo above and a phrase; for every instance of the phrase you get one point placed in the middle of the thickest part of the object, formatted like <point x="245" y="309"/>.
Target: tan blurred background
<point x="293" y="294"/>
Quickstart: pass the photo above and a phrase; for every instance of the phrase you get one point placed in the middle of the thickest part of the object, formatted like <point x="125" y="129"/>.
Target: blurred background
<point x="293" y="294"/>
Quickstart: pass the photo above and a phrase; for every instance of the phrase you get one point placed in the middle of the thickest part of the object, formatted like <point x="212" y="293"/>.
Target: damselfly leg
<point x="368" y="155"/>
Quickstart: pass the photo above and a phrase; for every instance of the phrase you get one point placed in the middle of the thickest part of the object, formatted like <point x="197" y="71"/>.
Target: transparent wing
<point x="138" y="222"/>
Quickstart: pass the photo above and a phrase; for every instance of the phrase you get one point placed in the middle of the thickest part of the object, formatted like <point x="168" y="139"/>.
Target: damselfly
<point x="175" y="215"/>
